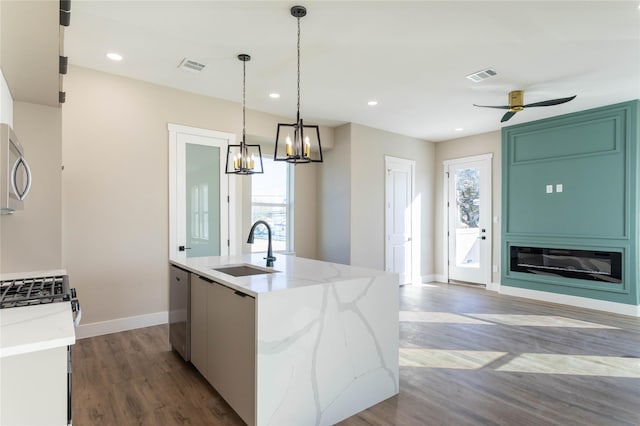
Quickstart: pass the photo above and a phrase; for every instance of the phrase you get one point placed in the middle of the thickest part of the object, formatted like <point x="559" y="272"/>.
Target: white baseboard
<point x="494" y="287"/>
<point x="439" y="278"/>
<point x="582" y="302"/>
<point x="428" y="278"/>
<point x="121" y="324"/>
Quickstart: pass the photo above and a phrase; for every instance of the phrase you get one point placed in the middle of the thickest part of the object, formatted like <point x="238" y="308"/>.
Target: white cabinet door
<point x="232" y="348"/>
<point x="33" y="388"/>
<point x="199" y="321"/>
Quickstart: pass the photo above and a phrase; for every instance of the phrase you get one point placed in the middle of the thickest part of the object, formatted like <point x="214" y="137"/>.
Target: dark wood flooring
<point x="133" y="378"/>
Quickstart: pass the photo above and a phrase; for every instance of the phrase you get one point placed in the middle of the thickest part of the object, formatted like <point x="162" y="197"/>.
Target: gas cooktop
<point x="35" y="291"/>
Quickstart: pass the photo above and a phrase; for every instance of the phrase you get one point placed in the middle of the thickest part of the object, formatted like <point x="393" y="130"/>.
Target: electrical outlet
<point x="559" y="187"/>
<point x="549" y="189"/>
<point x="495" y="268"/>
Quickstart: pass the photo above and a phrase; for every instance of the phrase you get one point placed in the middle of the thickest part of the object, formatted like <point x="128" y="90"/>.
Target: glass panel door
<point x="467" y="217"/>
<point x="200" y="223"/>
<point x="469" y="220"/>
<point x="203" y="200"/>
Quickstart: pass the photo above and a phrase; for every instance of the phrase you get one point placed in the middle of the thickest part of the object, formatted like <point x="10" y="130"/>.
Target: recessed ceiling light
<point x="459" y="129"/>
<point x="274" y="95"/>
<point x="372" y="103"/>
<point x="114" y="56"/>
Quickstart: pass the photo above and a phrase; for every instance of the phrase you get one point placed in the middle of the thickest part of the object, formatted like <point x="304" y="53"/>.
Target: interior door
<point x="469" y="219"/>
<point x="199" y="190"/>
<point x="399" y="217"/>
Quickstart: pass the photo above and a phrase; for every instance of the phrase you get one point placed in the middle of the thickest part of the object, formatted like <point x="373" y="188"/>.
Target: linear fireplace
<point x="604" y="266"/>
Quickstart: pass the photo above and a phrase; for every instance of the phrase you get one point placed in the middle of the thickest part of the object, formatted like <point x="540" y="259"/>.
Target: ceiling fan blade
<point x="507" y="116"/>
<point x="492" y="106"/>
<point x="551" y="102"/>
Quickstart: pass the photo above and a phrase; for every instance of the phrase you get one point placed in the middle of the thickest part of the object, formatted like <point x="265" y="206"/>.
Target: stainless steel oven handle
<point x="75" y="307"/>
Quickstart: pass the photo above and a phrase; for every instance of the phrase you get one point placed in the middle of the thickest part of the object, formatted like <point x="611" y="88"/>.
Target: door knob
<point x="183" y="248"/>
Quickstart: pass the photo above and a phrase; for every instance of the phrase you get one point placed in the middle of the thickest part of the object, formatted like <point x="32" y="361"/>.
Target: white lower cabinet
<point x="33" y="388"/>
<point x="227" y="340"/>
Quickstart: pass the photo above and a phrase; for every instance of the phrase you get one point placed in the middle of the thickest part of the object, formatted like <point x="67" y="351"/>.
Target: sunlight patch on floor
<point x="439" y="317"/>
<point x="583" y="365"/>
<point x="538" y="321"/>
<point x="443" y="358"/>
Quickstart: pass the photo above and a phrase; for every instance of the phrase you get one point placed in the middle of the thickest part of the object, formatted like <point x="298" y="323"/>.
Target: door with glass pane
<point x="469" y="219"/>
<point x="199" y="211"/>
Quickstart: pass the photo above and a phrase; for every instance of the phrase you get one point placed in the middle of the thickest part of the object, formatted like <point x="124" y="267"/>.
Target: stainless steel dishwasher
<point x="180" y="311"/>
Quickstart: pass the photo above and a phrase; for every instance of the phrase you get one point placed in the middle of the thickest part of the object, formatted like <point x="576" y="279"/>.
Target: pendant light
<point x="244" y="159"/>
<point x="298" y="142"/>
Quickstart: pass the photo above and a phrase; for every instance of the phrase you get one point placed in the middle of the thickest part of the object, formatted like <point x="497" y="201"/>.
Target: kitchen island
<point x="322" y="338"/>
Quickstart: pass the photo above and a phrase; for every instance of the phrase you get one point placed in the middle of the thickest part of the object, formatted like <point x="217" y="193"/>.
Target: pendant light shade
<point x="244" y="159"/>
<point x="298" y="142"/>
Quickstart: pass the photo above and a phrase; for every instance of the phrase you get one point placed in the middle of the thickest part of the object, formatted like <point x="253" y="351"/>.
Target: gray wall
<point x="459" y="148"/>
<point x="334" y="244"/>
<point x="368" y="148"/>
<point x="31" y="239"/>
<point x="352" y="196"/>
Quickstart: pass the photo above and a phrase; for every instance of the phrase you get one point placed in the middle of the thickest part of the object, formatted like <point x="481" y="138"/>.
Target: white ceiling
<point x="412" y="57"/>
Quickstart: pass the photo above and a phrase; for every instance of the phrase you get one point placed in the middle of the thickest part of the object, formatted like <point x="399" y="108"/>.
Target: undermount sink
<point x="243" y="270"/>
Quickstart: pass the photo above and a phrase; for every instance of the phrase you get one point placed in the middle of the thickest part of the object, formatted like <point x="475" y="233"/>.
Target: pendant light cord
<point x="298" y="69"/>
<point x="244" y="79"/>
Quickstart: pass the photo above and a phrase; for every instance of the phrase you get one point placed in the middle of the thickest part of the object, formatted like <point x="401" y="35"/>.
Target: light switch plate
<point x="549" y="189"/>
<point x="559" y="187"/>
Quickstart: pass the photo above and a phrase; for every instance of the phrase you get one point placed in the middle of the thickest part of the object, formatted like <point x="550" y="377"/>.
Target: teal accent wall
<point x="594" y="155"/>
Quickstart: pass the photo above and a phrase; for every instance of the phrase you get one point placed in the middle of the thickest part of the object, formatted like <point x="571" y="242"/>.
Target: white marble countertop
<point x="290" y="272"/>
<point x="33" y="274"/>
<point x="35" y="328"/>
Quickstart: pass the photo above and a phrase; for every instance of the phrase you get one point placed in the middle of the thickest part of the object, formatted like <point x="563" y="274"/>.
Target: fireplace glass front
<point x="604" y="266"/>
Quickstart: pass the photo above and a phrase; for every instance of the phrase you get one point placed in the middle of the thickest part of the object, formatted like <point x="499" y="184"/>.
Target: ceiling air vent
<point x="191" y="65"/>
<point x="481" y="75"/>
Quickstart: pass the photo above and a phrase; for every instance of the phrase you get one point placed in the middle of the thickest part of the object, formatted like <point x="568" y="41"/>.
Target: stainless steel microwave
<point x="15" y="175"/>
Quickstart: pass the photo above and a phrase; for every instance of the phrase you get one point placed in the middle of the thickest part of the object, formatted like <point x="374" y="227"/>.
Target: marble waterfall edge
<point x="328" y="351"/>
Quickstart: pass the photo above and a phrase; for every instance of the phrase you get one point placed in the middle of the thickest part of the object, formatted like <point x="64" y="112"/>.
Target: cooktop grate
<point x="34" y="291"/>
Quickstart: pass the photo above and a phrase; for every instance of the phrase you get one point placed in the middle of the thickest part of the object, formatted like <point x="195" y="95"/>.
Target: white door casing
<point x="467" y="240"/>
<point x="179" y="137"/>
<point x="400" y="218"/>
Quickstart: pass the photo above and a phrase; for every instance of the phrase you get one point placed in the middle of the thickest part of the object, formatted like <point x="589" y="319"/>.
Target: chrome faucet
<point x="270" y="258"/>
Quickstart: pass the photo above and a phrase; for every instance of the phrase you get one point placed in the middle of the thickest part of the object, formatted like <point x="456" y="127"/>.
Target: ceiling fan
<point x="516" y="104"/>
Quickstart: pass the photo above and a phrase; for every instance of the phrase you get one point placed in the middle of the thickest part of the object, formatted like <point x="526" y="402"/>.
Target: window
<point x="200" y="211"/>
<point x="271" y="201"/>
